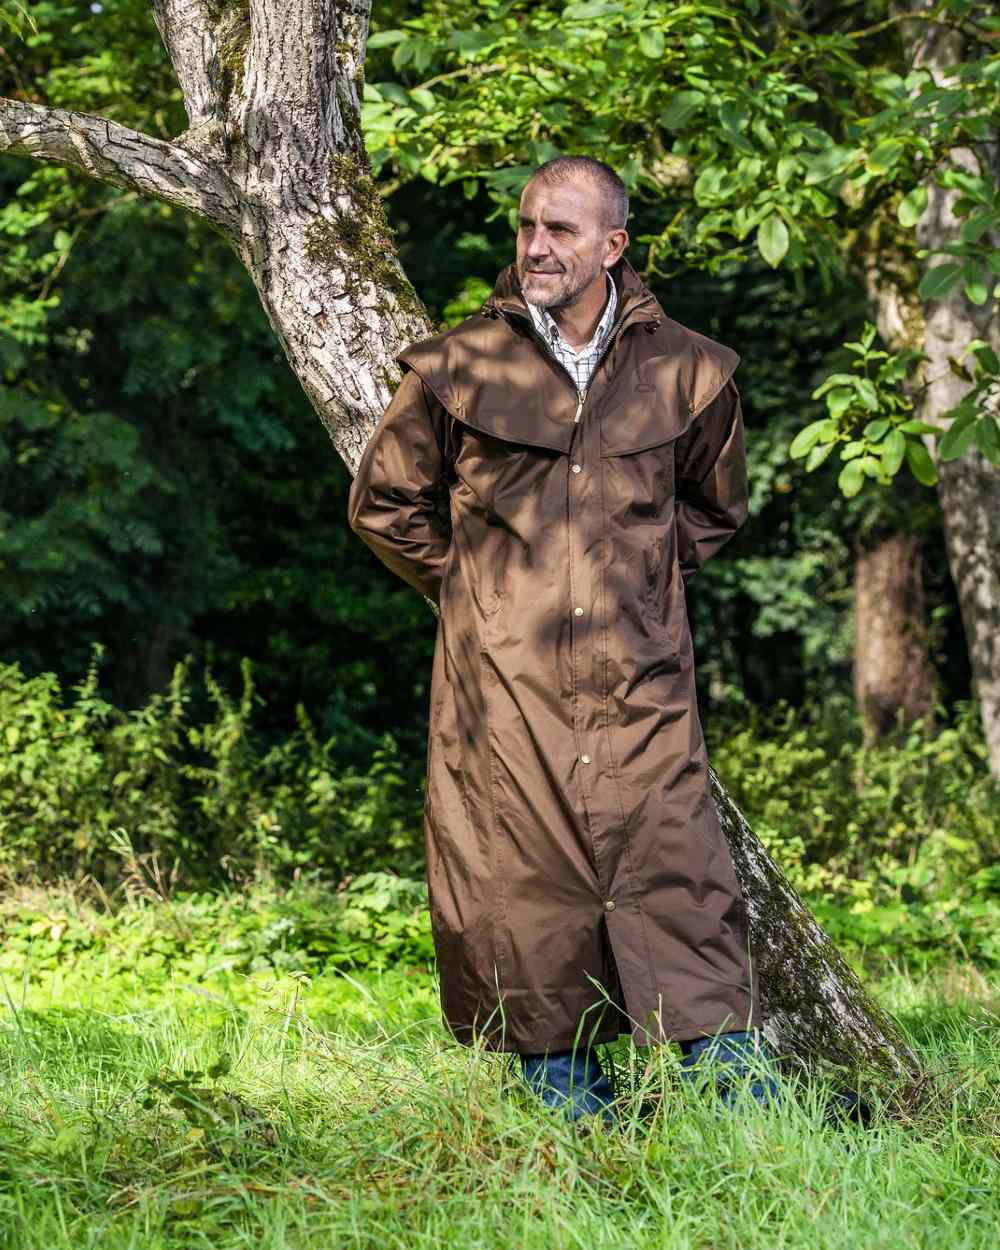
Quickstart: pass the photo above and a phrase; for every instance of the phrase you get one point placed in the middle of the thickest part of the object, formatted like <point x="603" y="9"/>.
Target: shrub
<point x="78" y="777"/>
<point x="895" y="846"/>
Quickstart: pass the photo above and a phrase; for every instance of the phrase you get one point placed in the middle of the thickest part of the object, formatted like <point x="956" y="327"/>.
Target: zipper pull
<point x="581" y="395"/>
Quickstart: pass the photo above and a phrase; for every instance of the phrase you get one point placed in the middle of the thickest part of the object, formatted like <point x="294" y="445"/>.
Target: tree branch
<point x="121" y="156"/>
<point x="300" y="92"/>
<point x="190" y="37"/>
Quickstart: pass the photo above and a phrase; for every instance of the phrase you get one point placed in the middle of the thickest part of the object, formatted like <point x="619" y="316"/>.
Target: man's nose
<point x="538" y="245"/>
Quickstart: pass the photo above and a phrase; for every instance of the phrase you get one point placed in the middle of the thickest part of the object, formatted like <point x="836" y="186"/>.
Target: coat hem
<point x="604" y="1036"/>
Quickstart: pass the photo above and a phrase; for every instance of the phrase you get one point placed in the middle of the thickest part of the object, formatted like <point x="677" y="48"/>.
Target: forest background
<point x="200" y="660"/>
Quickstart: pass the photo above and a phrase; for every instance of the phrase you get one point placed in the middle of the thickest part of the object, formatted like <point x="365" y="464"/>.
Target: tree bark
<point x="894" y="678"/>
<point x="275" y="160"/>
<point x="969" y="487"/>
<point x="893" y="681"/>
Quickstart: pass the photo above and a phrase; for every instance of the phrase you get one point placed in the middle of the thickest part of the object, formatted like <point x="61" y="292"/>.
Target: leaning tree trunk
<point x="274" y="160"/>
<point x="969" y="487"/>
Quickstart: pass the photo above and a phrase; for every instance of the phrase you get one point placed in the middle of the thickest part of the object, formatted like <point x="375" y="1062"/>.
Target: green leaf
<point x="988" y="438"/>
<point x="938" y="281"/>
<point x="851" y="478"/>
<point x="911" y="206"/>
<point x="772" y="240"/>
<point x="385" y="38"/>
<point x="818" y="454"/>
<point x="762" y="133"/>
<point x="651" y="42"/>
<point x="918" y="427"/>
<point x="975" y="283"/>
<point x="711" y="183"/>
<point x="893" y="451"/>
<point x="920" y="462"/>
<point x="394" y="92"/>
<point x="591" y="8"/>
<point x="853" y="449"/>
<point x="424" y="98"/>
<point x="786" y="168"/>
<point x="884" y="156"/>
<point x="826" y="164"/>
<point x="403" y="54"/>
<point x="839" y="400"/>
<point x="977" y="225"/>
<point x="833" y="379"/>
<point x="806" y="439"/>
<point x="956" y="440"/>
<point x="682" y="107"/>
<point x="989" y="362"/>
<point x="867" y="393"/>
<point x="875" y="429"/>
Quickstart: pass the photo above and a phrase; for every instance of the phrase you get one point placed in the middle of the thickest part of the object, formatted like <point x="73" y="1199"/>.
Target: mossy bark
<point x="818" y="1015"/>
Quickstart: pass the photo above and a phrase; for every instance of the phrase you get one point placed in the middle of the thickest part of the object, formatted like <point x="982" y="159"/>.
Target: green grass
<point x="347" y="1118"/>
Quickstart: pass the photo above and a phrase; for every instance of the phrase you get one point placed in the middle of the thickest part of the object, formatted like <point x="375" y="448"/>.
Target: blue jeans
<point x="575" y="1081"/>
<point x="737" y="1060"/>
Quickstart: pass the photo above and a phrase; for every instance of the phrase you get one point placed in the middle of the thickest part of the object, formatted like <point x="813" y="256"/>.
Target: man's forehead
<point x="572" y="199"/>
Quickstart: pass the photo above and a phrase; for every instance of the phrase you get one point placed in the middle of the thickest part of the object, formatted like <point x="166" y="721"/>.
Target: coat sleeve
<point x="398" y="502"/>
<point x="710" y="481"/>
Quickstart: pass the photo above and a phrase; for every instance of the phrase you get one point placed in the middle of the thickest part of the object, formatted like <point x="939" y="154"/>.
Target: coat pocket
<point x="664" y="605"/>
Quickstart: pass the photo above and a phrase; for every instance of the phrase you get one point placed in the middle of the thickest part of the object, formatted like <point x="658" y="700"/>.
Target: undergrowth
<point x="281" y="1108"/>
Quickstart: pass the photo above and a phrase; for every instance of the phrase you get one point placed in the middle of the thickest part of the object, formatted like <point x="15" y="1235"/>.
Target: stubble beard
<point x="561" y="294"/>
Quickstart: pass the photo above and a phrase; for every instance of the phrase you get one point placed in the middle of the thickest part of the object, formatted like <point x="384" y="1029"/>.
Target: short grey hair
<point x="614" y="193"/>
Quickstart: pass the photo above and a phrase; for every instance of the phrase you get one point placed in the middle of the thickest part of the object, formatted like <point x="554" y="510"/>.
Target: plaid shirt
<point x="578" y="364"/>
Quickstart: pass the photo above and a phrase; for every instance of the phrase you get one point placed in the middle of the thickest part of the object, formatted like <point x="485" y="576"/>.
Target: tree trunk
<point x="969" y="487"/>
<point x="816" y="1010"/>
<point x="893" y="679"/>
<point x="893" y="673"/>
<point x="274" y="159"/>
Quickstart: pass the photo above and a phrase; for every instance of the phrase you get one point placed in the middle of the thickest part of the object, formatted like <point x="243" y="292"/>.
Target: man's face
<point x="562" y="242"/>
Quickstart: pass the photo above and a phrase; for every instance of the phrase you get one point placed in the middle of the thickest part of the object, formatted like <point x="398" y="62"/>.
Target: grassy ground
<point x="138" y="1109"/>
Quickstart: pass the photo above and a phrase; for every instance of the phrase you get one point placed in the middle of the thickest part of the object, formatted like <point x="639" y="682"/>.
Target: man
<point x="550" y="473"/>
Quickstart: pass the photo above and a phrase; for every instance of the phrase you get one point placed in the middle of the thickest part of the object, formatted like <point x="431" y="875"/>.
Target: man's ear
<point x="615" y="249"/>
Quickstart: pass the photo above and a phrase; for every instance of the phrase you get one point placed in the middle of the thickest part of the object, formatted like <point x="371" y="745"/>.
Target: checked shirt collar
<point x="578" y="364"/>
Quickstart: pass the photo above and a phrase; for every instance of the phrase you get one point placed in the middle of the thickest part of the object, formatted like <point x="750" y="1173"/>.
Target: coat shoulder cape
<point x="677" y="372"/>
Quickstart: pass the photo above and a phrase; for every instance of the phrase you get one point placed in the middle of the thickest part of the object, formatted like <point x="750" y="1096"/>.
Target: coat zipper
<point x="581" y="395"/>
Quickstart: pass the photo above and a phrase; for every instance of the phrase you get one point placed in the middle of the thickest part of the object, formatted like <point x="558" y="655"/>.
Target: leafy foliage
<point x="749" y="126"/>
<point x="373" y="921"/>
<point x="869" y="414"/>
<point x="894" y="846"/>
<point x="81" y="781"/>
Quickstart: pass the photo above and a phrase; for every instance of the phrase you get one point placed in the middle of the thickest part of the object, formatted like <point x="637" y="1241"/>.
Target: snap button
<point x="584" y="759"/>
<point x="609" y="905"/>
<point x="575" y="468"/>
<point x="578" y="611"/>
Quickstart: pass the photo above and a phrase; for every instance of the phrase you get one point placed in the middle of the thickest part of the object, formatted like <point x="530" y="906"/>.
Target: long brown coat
<point x="576" y="866"/>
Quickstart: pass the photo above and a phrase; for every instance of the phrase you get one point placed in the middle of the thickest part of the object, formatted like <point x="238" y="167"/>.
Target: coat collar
<point x="635" y="301"/>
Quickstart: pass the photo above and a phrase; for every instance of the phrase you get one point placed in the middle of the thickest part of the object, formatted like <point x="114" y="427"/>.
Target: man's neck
<point x="578" y="321"/>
